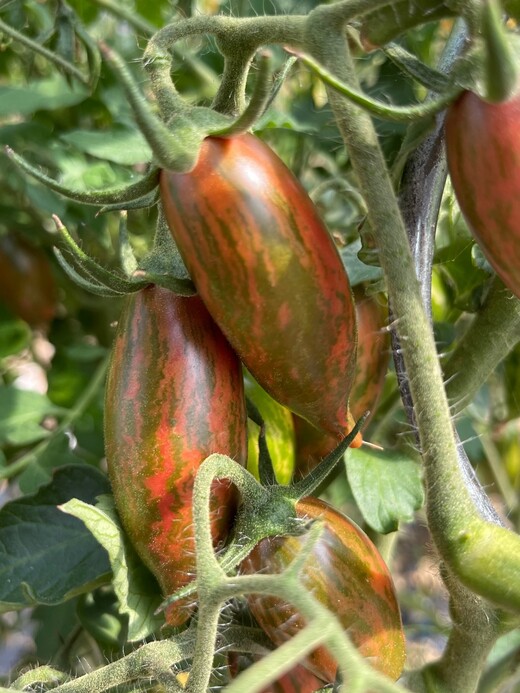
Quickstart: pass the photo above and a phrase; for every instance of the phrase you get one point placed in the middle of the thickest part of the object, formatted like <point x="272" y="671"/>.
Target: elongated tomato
<point x="269" y="273"/>
<point x="346" y="573"/>
<point x="313" y="445"/>
<point x="296" y="680"/>
<point x="174" y="395"/>
<point x="483" y="150"/>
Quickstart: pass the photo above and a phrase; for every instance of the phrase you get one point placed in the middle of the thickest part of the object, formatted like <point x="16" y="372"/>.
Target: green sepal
<point x="144" y="202"/>
<point x="126" y="253"/>
<point x="163" y="265"/>
<point x="314" y="479"/>
<point x="124" y="193"/>
<point x="92" y="287"/>
<point x="85" y="265"/>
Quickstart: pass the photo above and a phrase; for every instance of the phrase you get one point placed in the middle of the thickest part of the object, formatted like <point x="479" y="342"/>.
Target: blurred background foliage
<point x="52" y="359"/>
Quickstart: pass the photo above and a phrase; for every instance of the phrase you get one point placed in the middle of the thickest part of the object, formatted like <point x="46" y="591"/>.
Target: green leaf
<point x="44" y="94"/>
<point x="47" y="557"/>
<point x="138" y="593"/>
<point x="357" y="271"/>
<point x="15" y="334"/>
<point x="21" y="413"/>
<point x="386" y="485"/>
<point x="122" y="146"/>
<point x="39" y="472"/>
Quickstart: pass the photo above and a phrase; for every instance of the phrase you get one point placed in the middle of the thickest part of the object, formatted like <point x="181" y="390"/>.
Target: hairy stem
<point x="494" y="331"/>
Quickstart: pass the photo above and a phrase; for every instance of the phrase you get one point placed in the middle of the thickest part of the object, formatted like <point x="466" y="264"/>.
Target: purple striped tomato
<point x="346" y="573"/>
<point x="174" y="395"/>
<point x="483" y="150"/>
<point x="27" y="286"/>
<point x="373" y="352"/>
<point x="297" y="680"/>
<point x="269" y="273"/>
<point x="313" y="445"/>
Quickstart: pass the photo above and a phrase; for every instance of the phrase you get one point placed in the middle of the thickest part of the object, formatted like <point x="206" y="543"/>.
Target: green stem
<point x="72" y="415"/>
<point x="153" y="660"/>
<point x="471" y="638"/>
<point x="397" y="114"/>
<point x="501" y="64"/>
<point x="476" y="356"/>
<point x="433" y="417"/>
<point x="238" y="38"/>
<point x="45" y="52"/>
<point x="257" y="103"/>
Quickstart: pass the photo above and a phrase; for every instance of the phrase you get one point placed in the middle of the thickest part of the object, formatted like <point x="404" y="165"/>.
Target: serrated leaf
<point x="122" y="146"/>
<point x="21" y="413"/>
<point x="138" y="594"/>
<point x="44" y="94"/>
<point x="47" y="557"/>
<point x="387" y="486"/>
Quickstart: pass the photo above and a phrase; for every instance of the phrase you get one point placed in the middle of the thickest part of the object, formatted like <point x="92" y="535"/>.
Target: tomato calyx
<point x="269" y="511"/>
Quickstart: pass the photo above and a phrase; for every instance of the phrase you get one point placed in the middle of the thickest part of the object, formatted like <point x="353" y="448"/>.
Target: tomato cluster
<point x="274" y="295"/>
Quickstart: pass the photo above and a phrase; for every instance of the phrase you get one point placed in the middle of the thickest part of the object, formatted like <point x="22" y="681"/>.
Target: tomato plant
<point x="483" y="150"/>
<point x="163" y="132"/>
<point x="344" y="572"/>
<point x="262" y="260"/>
<point x="174" y="395"/>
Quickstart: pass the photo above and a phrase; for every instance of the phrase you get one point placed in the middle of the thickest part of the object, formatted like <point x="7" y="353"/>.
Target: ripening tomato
<point x="174" y="396"/>
<point x="27" y="285"/>
<point x="269" y="273"/>
<point x="313" y="445"/>
<point x="346" y="573"/>
<point x="297" y="680"/>
<point x="483" y="151"/>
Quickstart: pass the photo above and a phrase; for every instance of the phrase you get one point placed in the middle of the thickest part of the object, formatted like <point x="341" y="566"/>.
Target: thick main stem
<point x="444" y="488"/>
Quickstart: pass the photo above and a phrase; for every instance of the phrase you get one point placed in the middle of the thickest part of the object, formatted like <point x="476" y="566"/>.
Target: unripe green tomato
<point x="279" y="432"/>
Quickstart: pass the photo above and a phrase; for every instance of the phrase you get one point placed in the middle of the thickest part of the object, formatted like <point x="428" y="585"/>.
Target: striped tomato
<point x="297" y="680"/>
<point x="373" y="352"/>
<point x="27" y="285"/>
<point x="345" y="573"/>
<point x="371" y="366"/>
<point x="269" y="273"/>
<point x="483" y="150"/>
<point x="174" y="395"/>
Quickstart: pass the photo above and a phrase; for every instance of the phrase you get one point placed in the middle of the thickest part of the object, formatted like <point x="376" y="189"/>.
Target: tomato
<point x="297" y="680"/>
<point x="346" y="574"/>
<point x="313" y="445"/>
<point x="483" y="151"/>
<point x="174" y="395"/>
<point x="279" y="433"/>
<point x="269" y="273"/>
<point x="27" y="285"/>
<point x="373" y="352"/>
